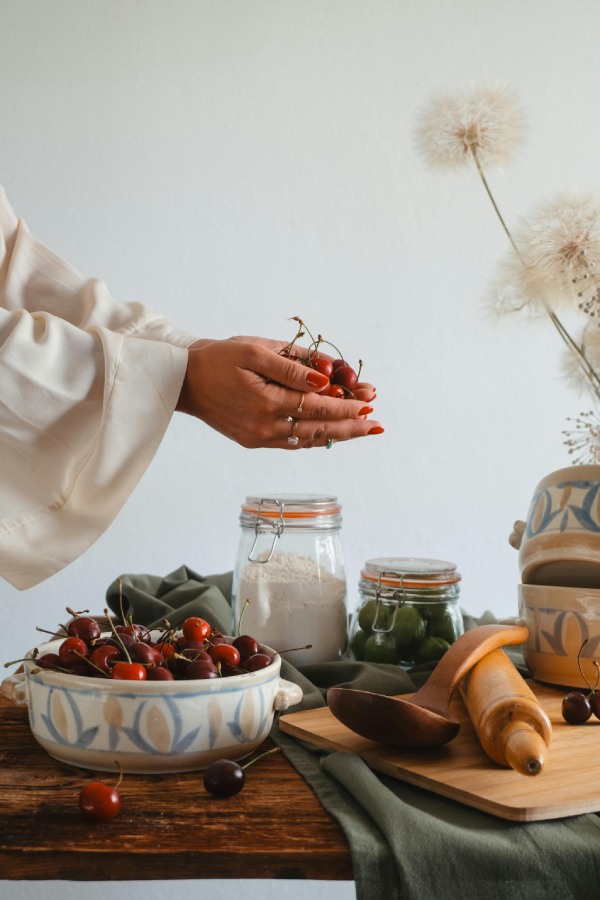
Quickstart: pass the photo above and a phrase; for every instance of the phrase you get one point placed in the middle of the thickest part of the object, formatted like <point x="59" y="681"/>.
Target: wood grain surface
<point x="170" y="828"/>
<point x="568" y="784"/>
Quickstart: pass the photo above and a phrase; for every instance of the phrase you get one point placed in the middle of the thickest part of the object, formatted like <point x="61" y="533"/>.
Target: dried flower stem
<point x="588" y="369"/>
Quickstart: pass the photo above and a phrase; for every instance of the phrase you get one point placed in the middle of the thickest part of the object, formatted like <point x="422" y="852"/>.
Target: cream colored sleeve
<point x="87" y="389"/>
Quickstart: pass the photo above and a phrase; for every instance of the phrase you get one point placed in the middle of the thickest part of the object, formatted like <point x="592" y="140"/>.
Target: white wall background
<point x="236" y="162"/>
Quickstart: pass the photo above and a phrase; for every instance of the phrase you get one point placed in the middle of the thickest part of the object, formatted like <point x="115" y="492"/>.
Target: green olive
<point x="381" y="648"/>
<point x="409" y="626"/>
<point x="373" y="610"/>
<point x="357" y="644"/>
<point x="430" y="649"/>
<point x="443" y="624"/>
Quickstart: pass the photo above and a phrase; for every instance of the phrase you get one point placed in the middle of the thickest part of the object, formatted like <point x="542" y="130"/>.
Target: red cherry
<point x="196" y="629"/>
<point x="247" y="645"/>
<point x="84" y="627"/>
<point x="49" y="661"/>
<point x="130" y="671"/>
<point x="142" y="653"/>
<point x="336" y="390"/>
<point x="159" y="673"/>
<point x="99" y="802"/>
<point x="200" y="668"/>
<point x="339" y="362"/>
<point x="322" y="365"/>
<point x="346" y="376"/>
<point x="71" y="650"/>
<point x="104" y="656"/>
<point x="256" y="662"/>
<point x="225" y="653"/>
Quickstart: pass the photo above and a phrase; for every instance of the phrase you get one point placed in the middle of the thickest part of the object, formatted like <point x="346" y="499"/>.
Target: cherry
<point x="142" y="653"/>
<point x="225" y="653"/>
<point x="196" y="629"/>
<point x="49" y="661"/>
<point x="337" y="363"/>
<point x="335" y="390"/>
<point x="345" y="376"/>
<point x="159" y="673"/>
<point x="321" y="364"/>
<point x="256" y="662"/>
<point x="199" y="668"/>
<point x="224" y="777"/>
<point x="247" y="645"/>
<point x="71" y="651"/>
<point x="576" y="708"/>
<point x="102" y="657"/>
<point x="130" y="671"/>
<point x="84" y="627"/>
<point x="99" y="802"/>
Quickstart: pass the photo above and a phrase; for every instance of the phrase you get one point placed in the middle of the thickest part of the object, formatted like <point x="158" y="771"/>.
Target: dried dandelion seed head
<point x="508" y="293"/>
<point x="453" y="128"/>
<point x="590" y="347"/>
<point x="583" y="438"/>
<point x="560" y="246"/>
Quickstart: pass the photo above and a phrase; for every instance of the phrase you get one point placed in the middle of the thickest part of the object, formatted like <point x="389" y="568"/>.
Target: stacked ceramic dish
<point x="559" y="558"/>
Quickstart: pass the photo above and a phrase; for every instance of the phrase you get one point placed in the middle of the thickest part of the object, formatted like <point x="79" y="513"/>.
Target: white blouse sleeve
<point x="87" y="389"/>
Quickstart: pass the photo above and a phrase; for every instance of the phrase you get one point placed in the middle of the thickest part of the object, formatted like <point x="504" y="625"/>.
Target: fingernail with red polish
<point x="366" y="410"/>
<point x="315" y="379"/>
<point x="377" y="429"/>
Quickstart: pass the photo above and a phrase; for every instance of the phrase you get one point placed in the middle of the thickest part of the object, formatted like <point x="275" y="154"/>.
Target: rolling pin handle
<point x="525" y="749"/>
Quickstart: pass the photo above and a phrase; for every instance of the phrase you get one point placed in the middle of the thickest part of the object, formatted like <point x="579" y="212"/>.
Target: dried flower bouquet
<point x="553" y="266"/>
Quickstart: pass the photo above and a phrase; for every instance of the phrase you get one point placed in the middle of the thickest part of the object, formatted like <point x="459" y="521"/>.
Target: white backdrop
<point x="236" y="162"/>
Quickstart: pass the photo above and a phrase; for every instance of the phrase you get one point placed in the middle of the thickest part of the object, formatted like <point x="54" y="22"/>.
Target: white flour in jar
<point x="293" y="602"/>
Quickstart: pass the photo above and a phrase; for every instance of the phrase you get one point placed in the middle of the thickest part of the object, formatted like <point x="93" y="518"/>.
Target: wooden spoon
<point x="424" y="720"/>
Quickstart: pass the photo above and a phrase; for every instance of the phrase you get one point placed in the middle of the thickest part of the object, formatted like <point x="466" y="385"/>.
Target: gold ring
<point x="299" y="409"/>
<point x="288" y="419"/>
<point x="293" y="439"/>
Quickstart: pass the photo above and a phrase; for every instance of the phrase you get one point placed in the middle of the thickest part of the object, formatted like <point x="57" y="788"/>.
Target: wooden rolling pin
<point x="511" y="725"/>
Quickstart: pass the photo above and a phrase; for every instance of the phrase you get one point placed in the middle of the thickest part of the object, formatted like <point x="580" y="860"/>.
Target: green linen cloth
<point x="406" y="843"/>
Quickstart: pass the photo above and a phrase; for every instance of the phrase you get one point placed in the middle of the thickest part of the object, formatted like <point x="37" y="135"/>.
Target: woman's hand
<point x="244" y="389"/>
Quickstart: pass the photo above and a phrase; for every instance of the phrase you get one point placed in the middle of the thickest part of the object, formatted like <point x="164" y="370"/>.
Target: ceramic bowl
<point x="149" y="726"/>
<point x="559" y="543"/>
<point x="559" y="620"/>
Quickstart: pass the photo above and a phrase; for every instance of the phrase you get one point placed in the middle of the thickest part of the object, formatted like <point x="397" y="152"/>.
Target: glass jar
<point x="289" y="585"/>
<point x="408" y="612"/>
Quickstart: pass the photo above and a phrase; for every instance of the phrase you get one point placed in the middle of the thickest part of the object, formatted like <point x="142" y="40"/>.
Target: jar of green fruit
<point x="408" y="611"/>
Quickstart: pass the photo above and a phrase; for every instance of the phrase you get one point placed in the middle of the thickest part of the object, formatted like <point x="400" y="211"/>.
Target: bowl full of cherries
<point x="102" y="695"/>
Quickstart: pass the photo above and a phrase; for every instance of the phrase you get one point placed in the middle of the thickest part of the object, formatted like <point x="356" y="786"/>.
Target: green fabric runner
<point x="406" y="843"/>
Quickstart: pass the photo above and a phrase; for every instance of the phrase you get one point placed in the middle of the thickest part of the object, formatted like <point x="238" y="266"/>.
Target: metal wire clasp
<point x="395" y="596"/>
<point x="263" y="525"/>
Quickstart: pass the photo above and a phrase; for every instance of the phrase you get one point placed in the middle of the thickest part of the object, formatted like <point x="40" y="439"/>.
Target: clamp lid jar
<point x="289" y="585"/>
<point x="408" y="612"/>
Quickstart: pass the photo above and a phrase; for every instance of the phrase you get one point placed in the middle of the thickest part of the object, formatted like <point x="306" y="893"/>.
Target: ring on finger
<point x="329" y="444"/>
<point x="288" y="419"/>
<point x="293" y="439"/>
<point x="300" y="405"/>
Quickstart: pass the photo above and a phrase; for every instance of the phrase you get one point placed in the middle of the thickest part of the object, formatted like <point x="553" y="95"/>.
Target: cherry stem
<point x="75" y="615"/>
<point x="256" y="758"/>
<point x="291" y="649"/>
<point x="117" y="635"/>
<point x="592" y="689"/>
<point x="53" y="633"/>
<point x="244" y="607"/>
<point x="90" y="663"/>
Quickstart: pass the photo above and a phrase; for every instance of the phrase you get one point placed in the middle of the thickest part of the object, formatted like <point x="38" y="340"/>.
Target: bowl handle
<point x="288" y="694"/>
<point x="15" y="688"/>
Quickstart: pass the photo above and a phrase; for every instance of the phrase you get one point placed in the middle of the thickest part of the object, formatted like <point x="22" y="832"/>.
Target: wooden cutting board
<point x="568" y="784"/>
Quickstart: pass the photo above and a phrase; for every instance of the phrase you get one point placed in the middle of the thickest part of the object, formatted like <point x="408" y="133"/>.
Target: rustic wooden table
<point x="169" y="826"/>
